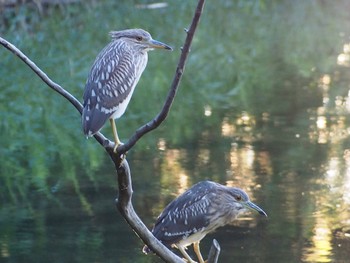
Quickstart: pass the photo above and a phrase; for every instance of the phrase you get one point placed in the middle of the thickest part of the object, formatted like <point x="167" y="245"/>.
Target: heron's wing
<point x="111" y="79"/>
<point x="185" y="215"/>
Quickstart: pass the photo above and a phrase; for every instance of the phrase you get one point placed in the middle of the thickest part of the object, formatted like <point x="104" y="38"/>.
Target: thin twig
<point x="214" y="252"/>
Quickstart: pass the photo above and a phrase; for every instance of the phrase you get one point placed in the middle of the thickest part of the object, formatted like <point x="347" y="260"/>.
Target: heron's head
<point x="139" y="39"/>
<point x="241" y="201"/>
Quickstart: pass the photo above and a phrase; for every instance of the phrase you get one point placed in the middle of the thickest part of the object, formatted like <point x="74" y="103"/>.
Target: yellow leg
<point x="115" y="135"/>
<point x="198" y="252"/>
<point x="188" y="258"/>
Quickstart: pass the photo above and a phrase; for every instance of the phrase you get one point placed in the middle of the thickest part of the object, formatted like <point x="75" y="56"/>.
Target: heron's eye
<point x="139" y="38"/>
<point x="238" y="198"/>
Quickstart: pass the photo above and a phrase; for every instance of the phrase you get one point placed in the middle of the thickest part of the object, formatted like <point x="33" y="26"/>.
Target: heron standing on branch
<point x="198" y="211"/>
<point x="113" y="77"/>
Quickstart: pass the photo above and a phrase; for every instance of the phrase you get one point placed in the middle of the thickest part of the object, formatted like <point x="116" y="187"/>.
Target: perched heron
<point x="198" y="211"/>
<point x="113" y="77"/>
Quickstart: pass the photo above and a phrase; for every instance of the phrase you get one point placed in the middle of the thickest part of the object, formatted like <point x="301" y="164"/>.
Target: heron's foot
<point x="116" y="145"/>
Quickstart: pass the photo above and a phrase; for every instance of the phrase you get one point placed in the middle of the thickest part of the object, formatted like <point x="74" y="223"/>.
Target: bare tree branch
<point x="124" y="203"/>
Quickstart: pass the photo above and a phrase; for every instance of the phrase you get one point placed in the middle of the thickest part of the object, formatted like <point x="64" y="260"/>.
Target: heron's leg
<point x="198" y="251"/>
<point x="182" y="250"/>
<point x="115" y="134"/>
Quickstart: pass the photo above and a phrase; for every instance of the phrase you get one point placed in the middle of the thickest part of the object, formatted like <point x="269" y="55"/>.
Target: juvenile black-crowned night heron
<point x="113" y="77"/>
<point x="198" y="211"/>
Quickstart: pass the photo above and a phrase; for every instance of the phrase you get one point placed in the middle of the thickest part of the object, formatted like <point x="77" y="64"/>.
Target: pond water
<point x="263" y="105"/>
<point x="298" y="174"/>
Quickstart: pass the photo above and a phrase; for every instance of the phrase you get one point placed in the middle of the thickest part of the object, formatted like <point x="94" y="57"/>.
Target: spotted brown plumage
<point x="113" y="77"/>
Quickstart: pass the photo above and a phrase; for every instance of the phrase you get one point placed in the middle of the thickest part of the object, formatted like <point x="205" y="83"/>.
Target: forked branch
<point x="124" y="203"/>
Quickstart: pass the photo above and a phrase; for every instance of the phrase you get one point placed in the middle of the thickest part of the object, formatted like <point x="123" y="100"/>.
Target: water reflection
<point x="344" y="57"/>
<point x="346" y="181"/>
<point x="329" y="212"/>
<point x="321" y="246"/>
<point x="173" y="173"/>
<point x="241" y="173"/>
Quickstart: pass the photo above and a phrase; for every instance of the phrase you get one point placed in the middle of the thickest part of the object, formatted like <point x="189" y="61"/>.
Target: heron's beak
<point x="253" y="206"/>
<point x="157" y="44"/>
